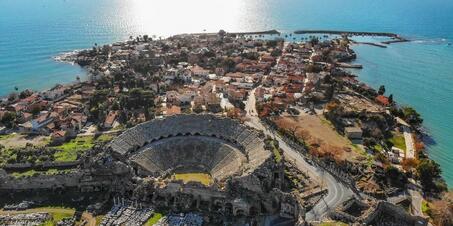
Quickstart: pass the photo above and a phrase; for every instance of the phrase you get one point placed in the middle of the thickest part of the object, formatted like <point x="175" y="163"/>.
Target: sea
<point x="418" y="73"/>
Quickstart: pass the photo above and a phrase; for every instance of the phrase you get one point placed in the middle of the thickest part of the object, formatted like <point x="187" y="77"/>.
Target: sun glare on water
<point x="170" y="16"/>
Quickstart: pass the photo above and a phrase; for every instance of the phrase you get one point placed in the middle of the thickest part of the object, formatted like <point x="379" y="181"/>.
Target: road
<point x="337" y="192"/>
<point x="414" y="191"/>
<point x="409" y="140"/>
<point x="410" y="147"/>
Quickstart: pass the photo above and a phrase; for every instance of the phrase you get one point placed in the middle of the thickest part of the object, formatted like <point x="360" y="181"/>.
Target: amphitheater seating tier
<point x="221" y="145"/>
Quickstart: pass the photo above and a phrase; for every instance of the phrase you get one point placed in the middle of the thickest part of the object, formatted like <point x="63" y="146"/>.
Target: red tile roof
<point x="382" y="100"/>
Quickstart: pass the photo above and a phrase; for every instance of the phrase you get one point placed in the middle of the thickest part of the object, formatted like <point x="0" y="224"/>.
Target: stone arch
<point x="172" y="200"/>
<point x="228" y="209"/>
<point x="239" y="212"/>
<point x="204" y="205"/>
<point x="150" y="196"/>
<point x="253" y="211"/>
<point x="263" y="208"/>
<point x="217" y="206"/>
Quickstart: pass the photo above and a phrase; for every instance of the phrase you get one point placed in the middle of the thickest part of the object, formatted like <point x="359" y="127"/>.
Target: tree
<point x="276" y="52"/>
<point x="12" y="96"/>
<point x="441" y="211"/>
<point x="228" y="64"/>
<point x="139" y="98"/>
<point x="427" y="171"/>
<point x="409" y="163"/>
<point x="395" y="176"/>
<point x="26" y="93"/>
<point x="271" y="43"/>
<point x="314" y="40"/>
<point x="8" y="119"/>
<point x="222" y="33"/>
<point x="381" y="90"/>
<point x="411" y="116"/>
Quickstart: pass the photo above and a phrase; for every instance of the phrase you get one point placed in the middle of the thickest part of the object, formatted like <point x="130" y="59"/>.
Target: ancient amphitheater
<point x="219" y="146"/>
<point x="141" y="165"/>
<point x="247" y="179"/>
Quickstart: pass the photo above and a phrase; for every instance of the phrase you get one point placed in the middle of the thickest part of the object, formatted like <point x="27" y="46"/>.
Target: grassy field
<point x="27" y="173"/>
<point x="7" y="136"/>
<point x="153" y="220"/>
<point x="99" y="219"/>
<point x="425" y="207"/>
<point x="378" y="147"/>
<point x="334" y="223"/>
<point x="6" y="154"/>
<point x="58" y="213"/>
<point x="32" y="172"/>
<point x="199" y="177"/>
<point x="277" y="155"/>
<point x="398" y="141"/>
<point x="68" y="151"/>
<point x="104" y="138"/>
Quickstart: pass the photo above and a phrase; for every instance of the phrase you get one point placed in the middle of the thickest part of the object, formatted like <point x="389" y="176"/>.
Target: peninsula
<point x="217" y="129"/>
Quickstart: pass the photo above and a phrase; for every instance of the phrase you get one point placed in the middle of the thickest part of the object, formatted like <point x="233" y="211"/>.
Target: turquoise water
<point x="417" y="73"/>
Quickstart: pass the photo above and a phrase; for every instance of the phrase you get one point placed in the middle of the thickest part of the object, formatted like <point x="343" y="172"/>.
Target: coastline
<point x="70" y="57"/>
<point x="361" y="137"/>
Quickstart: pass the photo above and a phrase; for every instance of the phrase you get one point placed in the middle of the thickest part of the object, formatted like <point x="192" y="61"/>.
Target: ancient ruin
<point x="138" y="165"/>
<point x="246" y="178"/>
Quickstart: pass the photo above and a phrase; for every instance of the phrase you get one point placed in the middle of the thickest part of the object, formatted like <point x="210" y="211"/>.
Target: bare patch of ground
<point x="319" y="134"/>
<point x="203" y="178"/>
<point x="19" y="140"/>
<point x="357" y="103"/>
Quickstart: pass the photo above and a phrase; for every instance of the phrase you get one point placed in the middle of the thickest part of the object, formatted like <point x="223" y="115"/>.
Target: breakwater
<point x="396" y="37"/>
<point x="268" y="32"/>
<point x="372" y="44"/>
<point x="357" y="33"/>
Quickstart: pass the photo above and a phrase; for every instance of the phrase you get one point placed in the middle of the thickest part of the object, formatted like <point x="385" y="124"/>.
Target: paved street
<point x="337" y="192"/>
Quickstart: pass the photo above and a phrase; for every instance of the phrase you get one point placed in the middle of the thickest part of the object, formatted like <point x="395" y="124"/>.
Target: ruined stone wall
<point x="386" y="213"/>
<point x="43" y="165"/>
<point x="41" y="182"/>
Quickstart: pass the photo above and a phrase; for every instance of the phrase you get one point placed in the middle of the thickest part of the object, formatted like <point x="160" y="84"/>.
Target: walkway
<point x="410" y="144"/>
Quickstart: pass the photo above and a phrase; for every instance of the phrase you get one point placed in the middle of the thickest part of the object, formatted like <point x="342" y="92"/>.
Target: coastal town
<point x="291" y="126"/>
